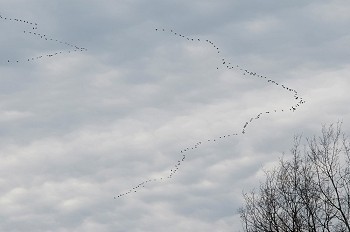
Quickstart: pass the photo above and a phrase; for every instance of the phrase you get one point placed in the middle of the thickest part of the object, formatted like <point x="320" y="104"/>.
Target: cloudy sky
<point x="80" y="128"/>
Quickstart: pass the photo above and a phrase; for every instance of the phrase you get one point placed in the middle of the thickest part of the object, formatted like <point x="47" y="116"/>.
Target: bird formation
<point x="246" y="73"/>
<point x="32" y="31"/>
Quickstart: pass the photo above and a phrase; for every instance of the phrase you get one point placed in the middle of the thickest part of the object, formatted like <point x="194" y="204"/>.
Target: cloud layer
<point x="79" y="128"/>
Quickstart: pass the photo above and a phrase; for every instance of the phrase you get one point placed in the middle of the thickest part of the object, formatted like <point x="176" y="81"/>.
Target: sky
<point x="105" y="102"/>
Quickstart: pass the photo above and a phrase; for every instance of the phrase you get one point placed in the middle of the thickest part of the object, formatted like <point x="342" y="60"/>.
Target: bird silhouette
<point x="250" y="74"/>
<point x="32" y="31"/>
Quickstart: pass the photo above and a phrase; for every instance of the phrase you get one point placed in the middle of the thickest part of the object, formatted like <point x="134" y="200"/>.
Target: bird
<point x="245" y="71"/>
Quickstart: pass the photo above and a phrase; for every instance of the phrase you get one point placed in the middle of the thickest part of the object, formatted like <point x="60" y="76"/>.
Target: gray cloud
<point x="79" y="128"/>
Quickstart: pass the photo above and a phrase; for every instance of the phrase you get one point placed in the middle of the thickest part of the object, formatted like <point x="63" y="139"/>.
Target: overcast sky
<point x="80" y="128"/>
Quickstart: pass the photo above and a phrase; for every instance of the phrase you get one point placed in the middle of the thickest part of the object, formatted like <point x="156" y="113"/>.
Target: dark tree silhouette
<point x="310" y="192"/>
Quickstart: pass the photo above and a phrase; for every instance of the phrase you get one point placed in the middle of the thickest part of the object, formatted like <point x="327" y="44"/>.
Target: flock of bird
<point x="245" y="73"/>
<point x="32" y="31"/>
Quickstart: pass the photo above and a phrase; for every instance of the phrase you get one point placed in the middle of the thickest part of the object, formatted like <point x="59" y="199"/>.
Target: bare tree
<point x="310" y="192"/>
